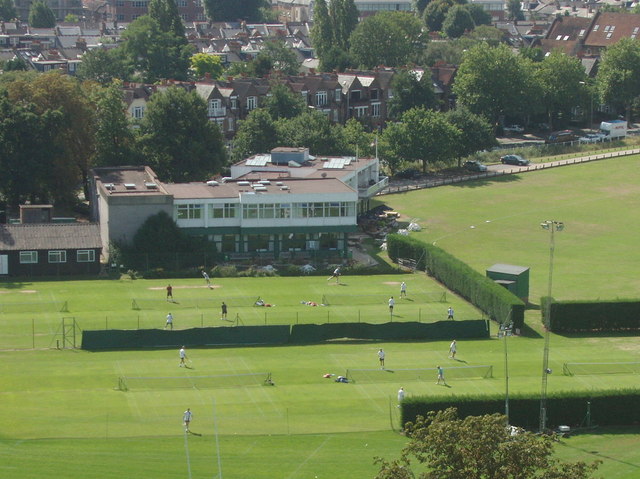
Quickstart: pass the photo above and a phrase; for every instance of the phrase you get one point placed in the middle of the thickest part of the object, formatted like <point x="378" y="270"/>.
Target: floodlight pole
<point x="506" y="368"/>
<point x="552" y="226"/>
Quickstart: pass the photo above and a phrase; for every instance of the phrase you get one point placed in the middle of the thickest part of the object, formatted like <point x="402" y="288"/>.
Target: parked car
<point x="590" y="138"/>
<point x="513" y="128"/>
<point x="514" y="160"/>
<point x="562" y="136"/>
<point x="475" y="165"/>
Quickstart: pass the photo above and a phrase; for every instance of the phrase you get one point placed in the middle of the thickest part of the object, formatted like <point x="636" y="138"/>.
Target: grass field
<point x="63" y="415"/>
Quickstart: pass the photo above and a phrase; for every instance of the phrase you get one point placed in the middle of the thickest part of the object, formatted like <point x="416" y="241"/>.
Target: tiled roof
<point x="41" y="236"/>
<point x="609" y="27"/>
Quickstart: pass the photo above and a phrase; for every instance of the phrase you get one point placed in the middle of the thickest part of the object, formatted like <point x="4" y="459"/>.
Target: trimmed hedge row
<point x="586" y="316"/>
<point x="619" y="407"/>
<point x="497" y="302"/>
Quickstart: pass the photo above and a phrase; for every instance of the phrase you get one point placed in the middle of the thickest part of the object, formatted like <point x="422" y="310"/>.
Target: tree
<point x="233" y="10"/>
<point x="422" y="136"/>
<point x="494" y="82"/>
<point x="322" y="29"/>
<point x="115" y="141"/>
<point x="71" y="18"/>
<point x="458" y="21"/>
<point x="478" y="447"/>
<point x="420" y="5"/>
<point x="480" y="15"/>
<point x="357" y="140"/>
<point x="478" y="132"/>
<point x="178" y="140"/>
<point x="165" y="12"/>
<point x="156" y="54"/>
<point x="344" y="16"/>
<point x="15" y="64"/>
<point x="282" y="102"/>
<point x="7" y="10"/>
<point x="276" y="56"/>
<point x="514" y="10"/>
<point x="256" y="134"/>
<point x="411" y="91"/>
<point x="436" y="12"/>
<point x="205" y="64"/>
<point x="332" y="29"/>
<point x="618" y="77"/>
<point x="488" y="34"/>
<point x="74" y="143"/>
<point x="104" y="65"/>
<point x="387" y="38"/>
<point x="562" y="81"/>
<point x="314" y="130"/>
<point x="41" y="16"/>
<point x="28" y="143"/>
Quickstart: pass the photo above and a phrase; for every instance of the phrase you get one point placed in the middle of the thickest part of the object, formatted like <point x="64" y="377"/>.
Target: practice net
<point x="35" y="307"/>
<point x="127" y="383"/>
<point x="426" y="374"/>
<point x="585" y="369"/>
<point x="361" y="299"/>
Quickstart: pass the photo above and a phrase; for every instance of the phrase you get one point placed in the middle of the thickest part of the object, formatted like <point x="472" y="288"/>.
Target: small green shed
<point x="514" y="278"/>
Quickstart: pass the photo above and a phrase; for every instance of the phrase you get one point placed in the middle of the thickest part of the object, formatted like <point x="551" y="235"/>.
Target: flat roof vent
<point x="244" y="183"/>
<point x="212" y="183"/>
<point x="224" y="179"/>
<point x="110" y="186"/>
<point x="284" y="187"/>
<point x="151" y="186"/>
<point x="264" y="182"/>
<point x="130" y="186"/>
<point x="279" y="183"/>
<point x="260" y="188"/>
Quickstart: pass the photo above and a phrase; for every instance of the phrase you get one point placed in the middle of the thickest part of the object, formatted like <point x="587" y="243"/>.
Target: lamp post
<point x="552" y="226"/>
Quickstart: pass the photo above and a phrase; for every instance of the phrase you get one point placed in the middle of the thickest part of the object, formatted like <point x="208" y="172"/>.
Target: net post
<point x="134" y="305"/>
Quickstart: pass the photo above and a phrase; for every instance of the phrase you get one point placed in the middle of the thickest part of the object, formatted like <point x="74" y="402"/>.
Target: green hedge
<point x="608" y="408"/>
<point x="591" y="316"/>
<point x="500" y="304"/>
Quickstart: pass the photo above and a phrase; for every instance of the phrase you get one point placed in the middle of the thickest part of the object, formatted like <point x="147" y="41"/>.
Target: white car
<point x="513" y="128"/>
<point x="590" y="138"/>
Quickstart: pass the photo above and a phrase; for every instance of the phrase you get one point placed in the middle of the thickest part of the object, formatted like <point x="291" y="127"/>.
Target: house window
<point x="355" y="95"/>
<point x="28" y="257"/>
<point x="226" y="210"/>
<point x="338" y="94"/>
<point x="120" y="3"/>
<point x="58" y="256"/>
<point x="321" y="98"/>
<point x="250" y="211"/>
<point x="85" y="256"/>
<point x="231" y="124"/>
<point x="373" y="94"/>
<point x="252" y="102"/>
<point x="258" y="242"/>
<point x="360" y="111"/>
<point x="228" y="244"/>
<point x="201" y="17"/>
<point x="336" y="116"/>
<point x="234" y="102"/>
<point x="609" y="35"/>
<point x="595" y="29"/>
<point x="189" y="212"/>
<point x="138" y="112"/>
<point x="182" y="3"/>
<point x="375" y="110"/>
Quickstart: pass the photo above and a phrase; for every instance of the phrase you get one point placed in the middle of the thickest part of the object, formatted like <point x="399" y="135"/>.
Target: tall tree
<point x="41" y="16"/>
<point x="282" y="102"/>
<point x="357" y="140"/>
<point x="478" y="447"/>
<point x="480" y="15"/>
<point x="256" y="134"/>
<point x="177" y="138"/>
<point x="344" y="15"/>
<point x="75" y="139"/>
<point x="276" y="56"/>
<point x="204" y="64"/>
<point x="411" y="90"/>
<point x="156" y="53"/>
<point x="233" y="10"/>
<point x="562" y="82"/>
<point x="618" y="77"/>
<point x="422" y="136"/>
<point x="115" y="141"/>
<point x="7" y="10"/>
<point x="322" y="29"/>
<point x="165" y="12"/>
<point x="436" y="12"/>
<point x="103" y="65"/>
<point x="311" y="129"/>
<point x="478" y="133"/>
<point x="514" y="10"/>
<point x="458" y="21"/>
<point x="387" y="38"/>
<point x="494" y="82"/>
<point x="27" y="136"/>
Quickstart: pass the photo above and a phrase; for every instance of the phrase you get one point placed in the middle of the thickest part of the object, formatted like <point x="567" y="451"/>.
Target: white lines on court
<point x="310" y="456"/>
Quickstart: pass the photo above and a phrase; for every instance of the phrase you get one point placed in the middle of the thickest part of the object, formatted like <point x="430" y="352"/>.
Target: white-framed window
<point x="321" y="98"/>
<point x="375" y="110"/>
<point x="57" y="256"/>
<point x="226" y="210"/>
<point x="252" y="102"/>
<point x="230" y="124"/>
<point x="28" y="257"/>
<point x="86" y="256"/>
<point x="234" y="102"/>
<point x="189" y="212"/>
<point x="338" y="94"/>
<point x="360" y="111"/>
<point x="138" y="112"/>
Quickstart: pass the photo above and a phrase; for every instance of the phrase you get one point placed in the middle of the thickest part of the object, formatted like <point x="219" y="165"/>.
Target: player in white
<point x="453" y="349"/>
<point x="403" y="290"/>
<point x="392" y="303"/>
<point x="206" y="278"/>
<point x="186" y="419"/>
<point x="381" y="358"/>
<point x="183" y="356"/>
<point x="400" y="396"/>
<point x="169" y="323"/>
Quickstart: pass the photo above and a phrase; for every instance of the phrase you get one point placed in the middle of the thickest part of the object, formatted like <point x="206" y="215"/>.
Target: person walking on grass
<point x="186" y="419"/>
<point x="381" y="358"/>
<point x="452" y="349"/>
<point x="183" y="356"/>
<point x="392" y="303"/>
<point x="400" y="396"/>
<point x="440" y="376"/>
<point x="169" y="323"/>
<point x="169" y="293"/>
<point x="450" y="313"/>
<point x="223" y="309"/>
<point x="403" y="290"/>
